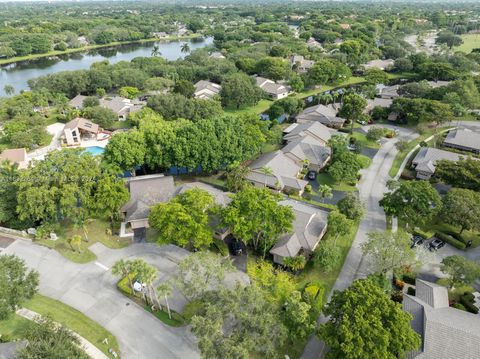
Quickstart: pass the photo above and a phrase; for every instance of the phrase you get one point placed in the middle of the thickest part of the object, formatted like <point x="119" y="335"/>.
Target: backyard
<point x="470" y="42"/>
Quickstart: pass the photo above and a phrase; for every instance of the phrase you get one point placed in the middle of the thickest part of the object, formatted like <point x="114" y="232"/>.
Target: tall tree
<point x="460" y="270"/>
<point x="110" y="194"/>
<point x="365" y="323"/>
<point x="389" y="252"/>
<point x="201" y="272"/>
<point x="297" y="316"/>
<point x="352" y="108"/>
<point x="126" y="150"/>
<point x="239" y="90"/>
<point x="413" y="202"/>
<point x="351" y="206"/>
<point x="461" y="207"/>
<point x="464" y="173"/>
<point x="17" y="284"/>
<point x="238" y="323"/>
<point x="184" y="220"/>
<point x="256" y="217"/>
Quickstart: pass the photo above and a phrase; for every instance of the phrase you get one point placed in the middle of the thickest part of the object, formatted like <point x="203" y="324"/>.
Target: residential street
<point x="91" y="289"/>
<point x="371" y="187"/>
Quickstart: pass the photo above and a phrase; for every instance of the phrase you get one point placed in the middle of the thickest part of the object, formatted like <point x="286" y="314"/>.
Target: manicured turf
<point x="65" y="315"/>
<point x="363" y="141"/>
<point x="325" y="178"/>
<point x="96" y="232"/>
<point x="470" y="42"/>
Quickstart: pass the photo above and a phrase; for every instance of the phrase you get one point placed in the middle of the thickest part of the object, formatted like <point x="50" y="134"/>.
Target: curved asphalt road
<point x="371" y="188"/>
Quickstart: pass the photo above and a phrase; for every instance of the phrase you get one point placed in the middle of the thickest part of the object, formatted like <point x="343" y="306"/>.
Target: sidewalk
<point x="89" y="348"/>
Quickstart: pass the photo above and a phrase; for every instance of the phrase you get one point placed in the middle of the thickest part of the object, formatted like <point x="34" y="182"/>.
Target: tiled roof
<point x="315" y="129"/>
<point x="308" y="225"/>
<point x="463" y="138"/>
<point x="307" y="148"/>
<point x="270" y="86"/>
<point x="427" y="157"/>
<point x="82" y="124"/>
<point x="221" y="197"/>
<point x="321" y="113"/>
<point x="206" y="89"/>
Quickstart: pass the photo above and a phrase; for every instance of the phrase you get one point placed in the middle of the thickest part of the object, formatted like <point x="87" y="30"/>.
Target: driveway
<point x="371" y="188"/>
<point x="91" y="289"/>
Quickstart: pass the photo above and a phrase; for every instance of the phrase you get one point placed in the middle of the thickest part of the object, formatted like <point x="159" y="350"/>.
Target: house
<point x="463" y="139"/>
<point x="300" y="64"/>
<point x="326" y="115"/>
<point x="313" y="129"/>
<point x="309" y="226"/>
<point x="206" y="90"/>
<point x="76" y="129"/>
<point x="82" y="40"/>
<point x="122" y="107"/>
<point x="15" y="155"/>
<point x="283" y="173"/>
<point x="425" y="160"/>
<point x="217" y="55"/>
<point x="377" y="102"/>
<point x="438" y="84"/>
<point x="272" y="89"/>
<point x="307" y="151"/>
<point x="145" y="191"/>
<point x="446" y="332"/>
<point x="379" y="64"/>
<point x="387" y="92"/>
<point x="221" y="198"/>
<point x="312" y="43"/>
<point x="160" y="35"/>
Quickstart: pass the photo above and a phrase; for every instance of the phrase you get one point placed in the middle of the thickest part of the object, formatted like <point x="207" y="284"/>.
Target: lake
<point x="17" y="74"/>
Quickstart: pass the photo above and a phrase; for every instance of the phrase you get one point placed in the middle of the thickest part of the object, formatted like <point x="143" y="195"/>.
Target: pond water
<point x="17" y="74"/>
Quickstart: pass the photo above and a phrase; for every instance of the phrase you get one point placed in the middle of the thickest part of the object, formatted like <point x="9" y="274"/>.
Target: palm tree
<point x="325" y="191"/>
<point x="185" y="48"/>
<point x="123" y="269"/>
<point x="165" y="290"/>
<point x="156" y="51"/>
<point x="267" y="171"/>
<point x="81" y="222"/>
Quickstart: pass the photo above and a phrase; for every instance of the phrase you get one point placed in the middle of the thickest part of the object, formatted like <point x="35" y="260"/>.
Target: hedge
<point x="417" y="232"/>
<point x="456" y="235"/>
<point x="450" y="240"/>
<point x="466" y="301"/>
<point x="409" y="278"/>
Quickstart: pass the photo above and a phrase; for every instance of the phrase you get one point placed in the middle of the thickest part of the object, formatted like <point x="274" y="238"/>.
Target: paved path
<point x="92" y="351"/>
<point x="91" y="289"/>
<point x="371" y="187"/>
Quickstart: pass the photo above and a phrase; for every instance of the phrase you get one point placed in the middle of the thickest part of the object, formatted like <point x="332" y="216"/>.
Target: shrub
<point x="221" y="247"/>
<point x="411" y="291"/>
<point x="450" y="240"/>
<point x="313" y="295"/>
<point x="420" y="233"/>
<point x="467" y="301"/>
<point x="124" y="285"/>
<point x="375" y="133"/>
<point x="399" y="283"/>
<point x="409" y="278"/>
<point x="459" y="306"/>
<point x="456" y="235"/>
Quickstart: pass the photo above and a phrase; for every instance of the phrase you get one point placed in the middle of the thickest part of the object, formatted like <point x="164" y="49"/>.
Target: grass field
<point x="325" y="178"/>
<point x="96" y="232"/>
<point x="470" y="42"/>
<point x="65" y="315"/>
<point x="363" y="141"/>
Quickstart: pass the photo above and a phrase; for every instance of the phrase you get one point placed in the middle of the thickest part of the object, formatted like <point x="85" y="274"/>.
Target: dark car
<point x="312" y="175"/>
<point x="236" y="247"/>
<point x="436" y="244"/>
<point x="416" y="241"/>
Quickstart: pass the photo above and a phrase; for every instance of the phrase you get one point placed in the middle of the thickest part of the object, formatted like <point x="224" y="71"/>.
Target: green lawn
<point x="397" y="162"/>
<point x="438" y="226"/>
<point x="365" y="161"/>
<point x="313" y="272"/>
<point x="64" y="314"/>
<point x="470" y="42"/>
<point x="13" y="327"/>
<point x="363" y="141"/>
<point x="325" y="178"/>
<point x="351" y="81"/>
<point x="260" y="107"/>
<point x="96" y="232"/>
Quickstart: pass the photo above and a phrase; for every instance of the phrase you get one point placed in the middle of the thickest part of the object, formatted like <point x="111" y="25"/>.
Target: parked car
<point x="312" y="175"/>
<point x="416" y="241"/>
<point x="436" y="244"/>
<point x="237" y="248"/>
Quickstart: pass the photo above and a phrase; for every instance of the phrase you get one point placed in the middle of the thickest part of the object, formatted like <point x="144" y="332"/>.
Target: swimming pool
<point x="95" y="150"/>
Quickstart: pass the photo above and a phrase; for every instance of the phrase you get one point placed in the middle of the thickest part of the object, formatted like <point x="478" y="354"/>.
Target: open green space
<point x="438" y="226"/>
<point x="363" y="141"/>
<point x="325" y="178"/>
<point x="97" y="231"/>
<point x="260" y="107"/>
<point x="470" y="42"/>
<point x="71" y="318"/>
